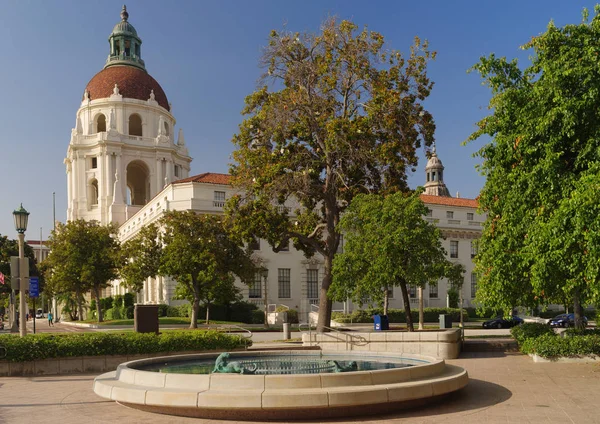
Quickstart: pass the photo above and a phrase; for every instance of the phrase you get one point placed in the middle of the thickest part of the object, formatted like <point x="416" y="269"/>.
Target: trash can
<point x="381" y="322"/>
<point x="445" y="321"/>
<point x="286" y="331"/>
<point x="145" y="318"/>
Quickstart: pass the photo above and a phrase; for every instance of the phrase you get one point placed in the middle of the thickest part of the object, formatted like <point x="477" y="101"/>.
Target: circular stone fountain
<point x="261" y="385"/>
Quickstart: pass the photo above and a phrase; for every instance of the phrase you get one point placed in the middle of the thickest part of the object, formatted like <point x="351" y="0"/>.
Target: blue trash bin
<point x="381" y="322"/>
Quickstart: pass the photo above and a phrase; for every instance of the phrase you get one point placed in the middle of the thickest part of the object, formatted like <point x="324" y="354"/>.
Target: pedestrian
<point x="50" y="323"/>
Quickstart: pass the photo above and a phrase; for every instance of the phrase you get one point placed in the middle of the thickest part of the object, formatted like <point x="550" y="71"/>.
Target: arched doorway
<point x="138" y="183"/>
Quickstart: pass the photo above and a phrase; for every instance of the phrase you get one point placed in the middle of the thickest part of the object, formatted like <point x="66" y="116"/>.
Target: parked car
<point x="39" y="313"/>
<point x="501" y="322"/>
<point x="565" y="321"/>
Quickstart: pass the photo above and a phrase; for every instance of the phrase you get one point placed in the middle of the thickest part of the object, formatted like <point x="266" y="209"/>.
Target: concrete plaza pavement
<point x="504" y="388"/>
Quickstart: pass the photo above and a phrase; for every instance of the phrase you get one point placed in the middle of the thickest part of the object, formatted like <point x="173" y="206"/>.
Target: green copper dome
<point x="125" y="45"/>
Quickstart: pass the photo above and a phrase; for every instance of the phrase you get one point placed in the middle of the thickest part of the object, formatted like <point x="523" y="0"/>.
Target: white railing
<point x="348" y="338"/>
<point x="218" y="203"/>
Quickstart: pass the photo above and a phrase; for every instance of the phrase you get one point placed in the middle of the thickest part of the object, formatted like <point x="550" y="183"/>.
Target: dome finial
<point x="124" y="14"/>
<point x="433" y="152"/>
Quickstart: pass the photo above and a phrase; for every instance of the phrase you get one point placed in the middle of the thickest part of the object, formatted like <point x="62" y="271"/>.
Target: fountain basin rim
<point x="235" y="396"/>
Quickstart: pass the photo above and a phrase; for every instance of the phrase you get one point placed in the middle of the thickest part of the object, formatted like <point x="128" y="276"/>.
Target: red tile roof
<point x="449" y="201"/>
<point x="133" y="83"/>
<point x="207" y="178"/>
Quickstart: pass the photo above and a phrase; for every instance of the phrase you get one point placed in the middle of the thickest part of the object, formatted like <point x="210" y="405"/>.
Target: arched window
<point x="135" y="124"/>
<point x="93" y="192"/>
<point x="138" y="183"/>
<point x="100" y="123"/>
<point x="166" y="129"/>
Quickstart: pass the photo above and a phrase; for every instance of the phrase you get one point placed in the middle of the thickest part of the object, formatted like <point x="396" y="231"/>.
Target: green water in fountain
<point x="278" y="365"/>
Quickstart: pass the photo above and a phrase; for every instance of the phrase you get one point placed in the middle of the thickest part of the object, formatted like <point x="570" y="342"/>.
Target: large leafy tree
<point x="388" y="243"/>
<point x="337" y="115"/>
<point x="198" y="251"/>
<point x="539" y="241"/>
<point x="84" y="257"/>
<point x="140" y="257"/>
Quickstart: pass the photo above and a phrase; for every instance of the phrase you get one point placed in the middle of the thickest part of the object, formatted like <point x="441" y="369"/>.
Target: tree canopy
<point x="388" y="243"/>
<point x="84" y="257"/>
<point x="197" y="251"/>
<point x="337" y="114"/>
<point x="539" y="242"/>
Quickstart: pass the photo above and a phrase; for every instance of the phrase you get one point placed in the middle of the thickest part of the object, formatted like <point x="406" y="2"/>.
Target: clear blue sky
<point x="205" y="56"/>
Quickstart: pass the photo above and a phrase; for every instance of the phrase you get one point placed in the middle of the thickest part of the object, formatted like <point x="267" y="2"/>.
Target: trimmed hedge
<point x="552" y="346"/>
<point x="530" y="330"/>
<point x="44" y="346"/>
<point x="397" y="315"/>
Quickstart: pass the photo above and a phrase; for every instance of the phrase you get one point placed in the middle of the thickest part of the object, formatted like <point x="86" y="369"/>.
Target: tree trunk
<point x="386" y="301"/>
<point x="578" y="311"/>
<point x="79" y="301"/>
<point x="325" y="304"/>
<point x="98" y="308"/>
<point x="207" y="313"/>
<point x="406" y="300"/>
<point x="195" y="312"/>
<point x="421" y="309"/>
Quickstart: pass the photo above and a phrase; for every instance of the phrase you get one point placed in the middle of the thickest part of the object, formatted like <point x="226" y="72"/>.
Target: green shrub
<point x="118" y="300"/>
<point x="258" y="317"/>
<point x="551" y="346"/>
<point x="106" y="303"/>
<point x="240" y="312"/>
<point x="453" y="297"/>
<point x="115" y="313"/>
<point x="128" y="299"/>
<point x="162" y="310"/>
<point x="173" y="311"/>
<point x="480" y="312"/>
<point x="43" y="346"/>
<point x="530" y="330"/>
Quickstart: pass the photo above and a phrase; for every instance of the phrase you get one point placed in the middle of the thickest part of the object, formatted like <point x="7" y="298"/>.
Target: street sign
<point x="34" y="287"/>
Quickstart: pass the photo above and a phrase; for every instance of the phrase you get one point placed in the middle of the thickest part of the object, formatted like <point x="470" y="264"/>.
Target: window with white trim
<point x="255" y="291"/>
<point x="433" y="292"/>
<point x="312" y="283"/>
<point x="454" y="248"/>
<point x="283" y="283"/>
<point x="473" y="285"/>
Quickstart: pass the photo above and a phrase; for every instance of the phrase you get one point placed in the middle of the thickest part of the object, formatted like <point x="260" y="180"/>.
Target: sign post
<point x="34" y="292"/>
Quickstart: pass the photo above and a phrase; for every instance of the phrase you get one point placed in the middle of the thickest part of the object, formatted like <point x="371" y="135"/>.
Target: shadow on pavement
<point x="478" y="394"/>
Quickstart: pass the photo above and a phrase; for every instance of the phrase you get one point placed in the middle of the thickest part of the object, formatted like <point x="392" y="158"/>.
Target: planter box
<point x="74" y="365"/>
<point x="442" y="344"/>
<point x="566" y="359"/>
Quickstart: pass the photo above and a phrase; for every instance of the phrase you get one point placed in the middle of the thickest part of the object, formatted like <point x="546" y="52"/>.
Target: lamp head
<point x="21" y="217"/>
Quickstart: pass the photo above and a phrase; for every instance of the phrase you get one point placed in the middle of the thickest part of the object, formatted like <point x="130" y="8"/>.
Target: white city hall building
<point x="125" y="166"/>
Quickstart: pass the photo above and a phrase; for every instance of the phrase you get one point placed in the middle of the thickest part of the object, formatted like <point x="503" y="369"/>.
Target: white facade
<point x="112" y="173"/>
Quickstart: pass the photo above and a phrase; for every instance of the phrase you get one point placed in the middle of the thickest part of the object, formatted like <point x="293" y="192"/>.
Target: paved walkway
<point x="504" y="388"/>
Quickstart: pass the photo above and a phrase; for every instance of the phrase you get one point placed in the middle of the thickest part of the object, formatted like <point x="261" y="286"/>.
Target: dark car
<point x="501" y="322"/>
<point x="565" y="321"/>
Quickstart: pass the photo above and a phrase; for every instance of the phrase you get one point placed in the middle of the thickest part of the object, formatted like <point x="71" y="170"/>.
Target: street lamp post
<point x="21" y="217"/>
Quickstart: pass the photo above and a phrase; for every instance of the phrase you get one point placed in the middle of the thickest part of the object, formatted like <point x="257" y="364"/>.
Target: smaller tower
<point x="434" y="171"/>
<point x="125" y="45"/>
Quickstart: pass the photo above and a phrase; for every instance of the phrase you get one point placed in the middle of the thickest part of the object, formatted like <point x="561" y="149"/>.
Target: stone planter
<point x="74" y="365"/>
